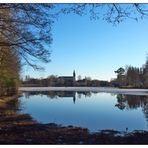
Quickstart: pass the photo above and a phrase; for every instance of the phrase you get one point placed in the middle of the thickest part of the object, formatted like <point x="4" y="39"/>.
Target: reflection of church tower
<point x="145" y="110"/>
<point x="74" y="97"/>
<point x="74" y="77"/>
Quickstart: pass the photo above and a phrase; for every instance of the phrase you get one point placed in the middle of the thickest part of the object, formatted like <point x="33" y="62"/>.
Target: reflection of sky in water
<point x="95" y="112"/>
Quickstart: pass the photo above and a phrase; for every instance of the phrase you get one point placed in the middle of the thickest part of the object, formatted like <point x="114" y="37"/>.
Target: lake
<point x="95" y="111"/>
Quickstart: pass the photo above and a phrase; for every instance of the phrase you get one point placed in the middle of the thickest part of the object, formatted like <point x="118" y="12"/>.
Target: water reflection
<point x="59" y="94"/>
<point x="89" y="109"/>
<point x="131" y="102"/>
<point x="121" y="101"/>
<point x="128" y="102"/>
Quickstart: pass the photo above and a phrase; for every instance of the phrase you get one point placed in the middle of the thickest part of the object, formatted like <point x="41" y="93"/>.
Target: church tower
<point x="74" y="77"/>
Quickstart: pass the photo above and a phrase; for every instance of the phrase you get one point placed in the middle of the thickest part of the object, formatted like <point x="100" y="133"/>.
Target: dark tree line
<point x="56" y="81"/>
<point x="132" y="77"/>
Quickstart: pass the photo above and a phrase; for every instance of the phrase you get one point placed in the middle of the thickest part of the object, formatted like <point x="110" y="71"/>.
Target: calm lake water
<point x="95" y="111"/>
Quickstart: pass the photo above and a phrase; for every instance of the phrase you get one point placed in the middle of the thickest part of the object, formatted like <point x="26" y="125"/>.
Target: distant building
<point x="67" y="80"/>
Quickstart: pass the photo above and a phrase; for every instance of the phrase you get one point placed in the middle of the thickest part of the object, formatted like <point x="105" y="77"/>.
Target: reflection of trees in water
<point x="58" y="94"/>
<point x="133" y="102"/>
<point x="121" y="101"/>
<point x="145" y="110"/>
<point x="83" y="93"/>
<point x="128" y="102"/>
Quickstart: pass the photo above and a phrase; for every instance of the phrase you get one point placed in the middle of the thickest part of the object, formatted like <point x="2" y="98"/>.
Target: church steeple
<point x="74" y="76"/>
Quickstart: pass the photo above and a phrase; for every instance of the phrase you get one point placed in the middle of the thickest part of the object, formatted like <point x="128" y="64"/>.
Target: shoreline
<point x="25" y="132"/>
<point x="88" y="89"/>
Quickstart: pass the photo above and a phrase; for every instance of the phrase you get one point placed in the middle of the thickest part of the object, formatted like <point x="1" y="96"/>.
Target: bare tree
<point x="26" y="28"/>
<point x="114" y="13"/>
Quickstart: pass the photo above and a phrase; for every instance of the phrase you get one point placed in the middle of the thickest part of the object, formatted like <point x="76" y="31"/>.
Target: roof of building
<point x="66" y="77"/>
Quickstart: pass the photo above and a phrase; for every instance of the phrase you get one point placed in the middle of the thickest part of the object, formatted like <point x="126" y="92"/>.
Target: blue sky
<point x="94" y="48"/>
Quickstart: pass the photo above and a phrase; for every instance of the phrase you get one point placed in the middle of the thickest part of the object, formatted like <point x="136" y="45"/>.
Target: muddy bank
<point x="6" y="100"/>
<point x="23" y="130"/>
